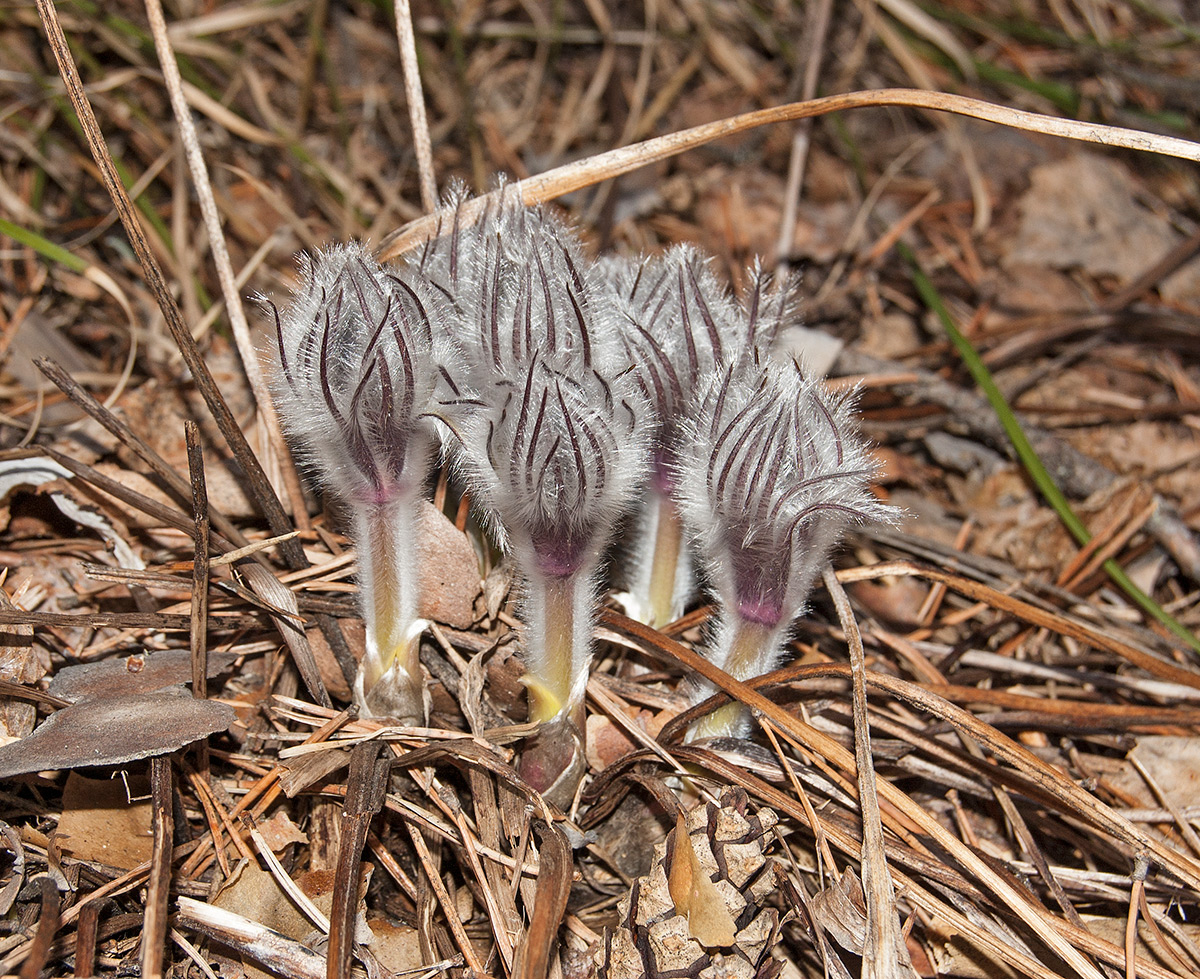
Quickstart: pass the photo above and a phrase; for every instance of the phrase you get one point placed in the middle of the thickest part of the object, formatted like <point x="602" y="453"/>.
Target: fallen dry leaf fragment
<point x="107" y="821"/>
<point x="840" y="909"/>
<point x="114" y="731"/>
<point x="450" y="578"/>
<point x="695" y="896"/>
<point x="134" y="674"/>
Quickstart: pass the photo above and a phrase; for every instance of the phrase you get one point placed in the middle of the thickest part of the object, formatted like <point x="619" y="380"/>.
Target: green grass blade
<point x="1028" y="457"/>
<point x="47" y="249"/>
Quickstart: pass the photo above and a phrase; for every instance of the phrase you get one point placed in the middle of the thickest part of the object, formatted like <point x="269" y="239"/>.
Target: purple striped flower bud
<point x="358" y="365"/>
<point x="772" y="471"/>
<point x="550" y="434"/>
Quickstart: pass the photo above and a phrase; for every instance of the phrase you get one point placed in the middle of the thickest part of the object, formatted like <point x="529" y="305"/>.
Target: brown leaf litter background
<point x="1029" y="791"/>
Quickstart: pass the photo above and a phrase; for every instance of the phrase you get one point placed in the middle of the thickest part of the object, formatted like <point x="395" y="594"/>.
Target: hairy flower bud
<point x="680" y="325"/>
<point x="358" y="363"/>
<point x="550" y="434"/>
<point x="771" y="471"/>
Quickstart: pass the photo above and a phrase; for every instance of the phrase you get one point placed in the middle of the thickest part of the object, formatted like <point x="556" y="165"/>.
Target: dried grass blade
<point x="199" y="638"/>
<point x="413" y="92"/>
<point x="216" y="242"/>
<point x="1034" y="615"/>
<point x="884" y="954"/>
<point x="502" y="912"/>
<point x="366" y="788"/>
<point x="262" y="492"/>
<point x="443" y="899"/>
<point x="604" y="166"/>
<point x="549" y="905"/>
<point x="279" y="954"/>
<point x="158" y="890"/>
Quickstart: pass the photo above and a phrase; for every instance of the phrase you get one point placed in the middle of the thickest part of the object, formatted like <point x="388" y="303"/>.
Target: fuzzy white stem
<point x="743" y="649"/>
<point x="661" y="579"/>
<point x="558" y="626"/>
<point x="668" y="587"/>
<point x="389" y="680"/>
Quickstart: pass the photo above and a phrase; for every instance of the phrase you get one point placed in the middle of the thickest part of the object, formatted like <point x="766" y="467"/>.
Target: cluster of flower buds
<point x="564" y="389"/>
<point x="761" y="467"/>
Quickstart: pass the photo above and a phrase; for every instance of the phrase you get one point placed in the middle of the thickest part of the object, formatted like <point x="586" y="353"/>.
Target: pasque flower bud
<point x="772" y="471"/>
<point x="550" y="434"/>
<point x="358" y="364"/>
<point x="681" y="324"/>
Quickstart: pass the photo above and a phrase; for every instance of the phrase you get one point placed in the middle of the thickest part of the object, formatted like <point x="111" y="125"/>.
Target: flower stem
<point x="389" y="681"/>
<point x="557" y="647"/>
<point x="664" y="567"/>
<point x="743" y="649"/>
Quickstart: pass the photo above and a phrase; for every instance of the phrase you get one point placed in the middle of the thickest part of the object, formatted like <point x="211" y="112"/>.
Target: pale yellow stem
<point x="551" y="645"/>
<point x="388" y="586"/>
<point x="664" y="566"/>
<point x="748" y="644"/>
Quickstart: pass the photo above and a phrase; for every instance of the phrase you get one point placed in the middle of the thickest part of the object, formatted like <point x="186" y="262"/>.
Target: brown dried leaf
<point x="841" y="910"/>
<point x="449" y="570"/>
<point x="709" y="920"/>
<point x="396" y="946"/>
<point x="1083" y="211"/>
<point x="105" y="821"/>
<point x="279" y="831"/>
<point x="607" y="742"/>
<point x="115" y="731"/>
<point x="1172" y="762"/>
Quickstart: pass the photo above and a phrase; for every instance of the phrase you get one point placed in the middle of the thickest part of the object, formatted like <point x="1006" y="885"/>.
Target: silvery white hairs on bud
<point x="680" y="325"/>
<point x="551" y="433"/>
<point x="772" y="471"/>
<point x="357" y="369"/>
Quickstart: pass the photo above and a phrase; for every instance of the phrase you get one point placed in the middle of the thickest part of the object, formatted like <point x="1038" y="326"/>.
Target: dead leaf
<point x="114" y="731"/>
<point x="607" y="742"/>
<point x="133" y="674"/>
<point x="279" y="831"/>
<point x="1172" y="762"/>
<point x="100" y="822"/>
<point x="709" y="921"/>
<point x="450" y="578"/>
<point x="396" y="946"/>
<point x="841" y="910"/>
<point x="1083" y="212"/>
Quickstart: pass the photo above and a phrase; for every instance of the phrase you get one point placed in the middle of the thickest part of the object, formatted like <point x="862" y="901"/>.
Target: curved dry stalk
<point x="422" y="144"/>
<point x="884" y="954"/>
<point x="220" y="252"/>
<point x="604" y="166"/>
